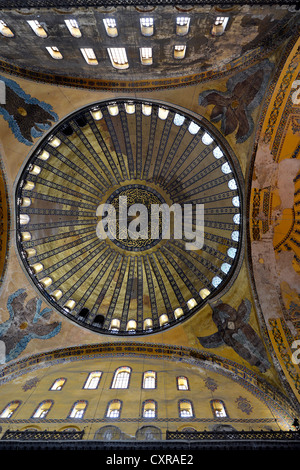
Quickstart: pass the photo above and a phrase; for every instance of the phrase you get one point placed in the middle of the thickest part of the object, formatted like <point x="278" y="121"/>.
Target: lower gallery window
<point x="149" y="409"/>
<point x="185" y="409"/>
<point x="43" y="409"/>
<point x="78" y="409"/>
<point x="218" y="408"/>
<point x="10" y="409"/>
<point x="114" y="409"/>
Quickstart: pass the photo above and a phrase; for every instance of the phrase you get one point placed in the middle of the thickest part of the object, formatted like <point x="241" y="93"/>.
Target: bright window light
<point x="146" y="55"/>
<point x="219" y="25"/>
<point x="179" y="51"/>
<point x="110" y="27"/>
<point x="54" y="52"/>
<point x="182" y="25"/>
<point x="118" y="57"/>
<point x="37" y="28"/>
<point x="147" y="26"/>
<point x="73" y="27"/>
<point x="5" y="30"/>
<point x="89" y="56"/>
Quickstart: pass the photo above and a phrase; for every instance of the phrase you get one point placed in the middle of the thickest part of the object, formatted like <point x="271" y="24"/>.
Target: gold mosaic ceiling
<point x="150" y="153"/>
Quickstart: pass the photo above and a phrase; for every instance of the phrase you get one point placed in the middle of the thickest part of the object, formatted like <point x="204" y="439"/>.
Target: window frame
<point x="144" y="378"/>
<point x="182" y="28"/>
<point x="35" y="25"/>
<point x="73" y="409"/>
<point x="118" y="371"/>
<point x="90" y="378"/>
<point x="5" y="30"/>
<point x="86" y="51"/>
<point x="152" y="402"/>
<point x="111" y="28"/>
<point x="112" y="51"/>
<point x="187" y="383"/>
<point x="63" y="379"/>
<point x="8" y="406"/>
<point x="73" y="27"/>
<point x="54" y="52"/>
<point x="108" y="409"/>
<point x="147" y="30"/>
<point x="44" y="412"/>
<point x="185" y="400"/>
<point x="214" y="411"/>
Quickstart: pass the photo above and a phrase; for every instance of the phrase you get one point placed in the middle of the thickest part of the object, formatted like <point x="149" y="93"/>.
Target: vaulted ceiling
<point x="240" y="89"/>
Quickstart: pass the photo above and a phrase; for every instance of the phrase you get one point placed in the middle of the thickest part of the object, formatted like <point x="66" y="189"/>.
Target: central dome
<point x="139" y="154"/>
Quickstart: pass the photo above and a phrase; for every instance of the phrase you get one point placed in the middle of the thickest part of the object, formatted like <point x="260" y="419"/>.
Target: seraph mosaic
<point x="28" y="118"/>
<point x="234" y="106"/>
<point x="25" y="323"/>
<point x="235" y="331"/>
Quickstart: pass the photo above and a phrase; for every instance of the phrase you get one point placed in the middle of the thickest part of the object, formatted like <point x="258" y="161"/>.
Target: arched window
<point x="37" y="28"/>
<point x="182" y="383"/>
<point x="10" y="409"/>
<point x="179" y="51"/>
<point x="182" y="25"/>
<point x="219" y="25"/>
<point x="149" y="409"/>
<point x="43" y="409"/>
<point x="147" y="26"/>
<point x="149" y="379"/>
<point x="78" y="409"/>
<point x="185" y="409"/>
<point x="54" y="52"/>
<point x="73" y="27"/>
<point x="93" y="380"/>
<point x="218" y="408"/>
<point x="114" y="409"/>
<point x="146" y="55"/>
<point x="89" y="55"/>
<point x="5" y="30"/>
<point x="121" y="378"/>
<point x="118" y="57"/>
<point x="110" y="27"/>
<point x="58" y="384"/>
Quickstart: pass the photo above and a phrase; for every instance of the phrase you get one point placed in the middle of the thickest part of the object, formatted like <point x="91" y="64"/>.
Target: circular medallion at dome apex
<point x="152" y="153"/>
<point x="135" y="194"/>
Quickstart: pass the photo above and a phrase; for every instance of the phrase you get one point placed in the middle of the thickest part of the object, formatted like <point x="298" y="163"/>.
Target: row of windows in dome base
<point x="111" y="27"/>
<point x="113" y="410"/>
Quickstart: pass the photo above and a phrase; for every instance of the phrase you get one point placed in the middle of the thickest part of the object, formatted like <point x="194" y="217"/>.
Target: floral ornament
<point x="29" y="384"/>
<point x="234" y="107"/>
<point x="210" y="384"/>
<point x="25" y="323"/>
<point x="244" y="405"/>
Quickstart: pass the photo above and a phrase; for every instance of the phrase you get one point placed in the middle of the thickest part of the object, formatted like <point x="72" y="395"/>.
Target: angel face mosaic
<point x="145" y="154"/>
